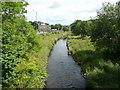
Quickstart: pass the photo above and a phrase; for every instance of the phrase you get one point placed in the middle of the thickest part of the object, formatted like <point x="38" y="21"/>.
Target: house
<point x="44" y="26"/>
<point x="41" y="26"/>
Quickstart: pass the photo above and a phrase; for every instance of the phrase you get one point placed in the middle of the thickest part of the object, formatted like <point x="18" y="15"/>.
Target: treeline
<point x="34" y="24"/>
<point x="104" y="30"/>
<point x="60" y="27"/>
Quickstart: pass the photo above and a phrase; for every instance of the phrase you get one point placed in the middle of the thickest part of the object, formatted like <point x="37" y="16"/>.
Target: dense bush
<point x="98" y="72"/>
<point x="19" y="41"/>
<point x="106" y="30"/>
<point x="105" y="75"/>
<point x="79" y="27"/>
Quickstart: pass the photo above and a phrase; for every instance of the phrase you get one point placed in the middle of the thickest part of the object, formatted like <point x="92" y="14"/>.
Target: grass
<point x="99" y="72"/>
<point x="32" y="73"/>
<point x="47" y="42"/>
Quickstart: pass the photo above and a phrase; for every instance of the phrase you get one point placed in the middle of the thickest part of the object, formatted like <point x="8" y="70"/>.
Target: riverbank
<point x="62" y="69"/>
<point x="47" y="42"/>
<point x="33" y="70"/>
<point x="98" y="71"/>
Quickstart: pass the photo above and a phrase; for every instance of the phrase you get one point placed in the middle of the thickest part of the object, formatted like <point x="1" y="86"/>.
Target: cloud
<point x="63" y="11"/>
<point x="55" y="5"/>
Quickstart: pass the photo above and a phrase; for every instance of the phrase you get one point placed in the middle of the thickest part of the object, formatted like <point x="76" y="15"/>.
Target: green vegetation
<point x="99" y="72"/>
<point x="56" y="26"/>
<point x="37" y="63"/>
<point x="104" y="30"/>
<point x="60" y="27"/>
<point x="34" y="24"/>
<point x="79" y="27"/>
<point x="24" y="53"/>
<point x="98" y="46"/>
<point x="66" y="28"/>
<point x="19" y="41"/>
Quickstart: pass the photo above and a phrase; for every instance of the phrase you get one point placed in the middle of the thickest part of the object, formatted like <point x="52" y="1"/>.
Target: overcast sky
<point x="64" y="12"/>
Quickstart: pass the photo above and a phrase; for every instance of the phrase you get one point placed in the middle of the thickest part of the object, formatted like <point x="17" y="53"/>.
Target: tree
<point x="75" y="27"/>
<point x="35" y="24"/>
<point x="89" y="26"/>
<point x="18" y="40"/>
<point x="56" y="26"/>
<point x="106" y="30"/>
<point x="65" y="28"/>
<point x="79" y="27"/>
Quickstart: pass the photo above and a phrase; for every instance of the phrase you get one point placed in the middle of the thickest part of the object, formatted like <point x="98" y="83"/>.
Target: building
<point x="41" y="26"/>
<point x="44" y="26"/>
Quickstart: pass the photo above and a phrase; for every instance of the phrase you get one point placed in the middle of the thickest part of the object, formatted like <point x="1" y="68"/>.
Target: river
<point x="63" y="71"/>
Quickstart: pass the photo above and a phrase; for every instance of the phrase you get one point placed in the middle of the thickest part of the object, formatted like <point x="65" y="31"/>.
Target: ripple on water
<point x="62" y="69"/>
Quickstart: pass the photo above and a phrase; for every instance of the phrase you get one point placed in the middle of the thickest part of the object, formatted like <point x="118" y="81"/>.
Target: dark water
<point x="62" y="69"/>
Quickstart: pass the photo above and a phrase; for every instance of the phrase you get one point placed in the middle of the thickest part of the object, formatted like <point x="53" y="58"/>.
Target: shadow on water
<point x="63" y="71"/>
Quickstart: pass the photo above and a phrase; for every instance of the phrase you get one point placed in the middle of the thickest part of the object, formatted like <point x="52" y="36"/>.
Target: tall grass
<point x="98" y="72"/>
<point x="32" y="73"/>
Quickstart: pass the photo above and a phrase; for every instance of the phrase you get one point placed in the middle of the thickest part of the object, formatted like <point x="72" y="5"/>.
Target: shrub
<point x="19" y="39"/>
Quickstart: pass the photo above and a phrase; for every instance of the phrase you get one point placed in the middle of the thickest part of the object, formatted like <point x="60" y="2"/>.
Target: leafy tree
<point x="79" y="27"/>
<point x="89" y="26"/>
<point x="18" y="40"/>
<point x="65" y="28"/>
<point x="75" y="27"/>
<point x="106" y="31"/>
<point x="56" y="26"/>
<point x="35" y="24"/>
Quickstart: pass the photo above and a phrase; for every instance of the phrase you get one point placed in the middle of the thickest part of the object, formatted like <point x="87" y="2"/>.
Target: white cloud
<point x="63" y="11"/>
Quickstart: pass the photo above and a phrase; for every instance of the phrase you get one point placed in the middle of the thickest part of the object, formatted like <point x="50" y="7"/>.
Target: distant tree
<point x="56" y="26"/>
<point x="34" y="24"/>
<point x="65" y="28"/>
<point x="30" y="22"/>
<point x="75" y="27"/>
<point x="79" y="27"/>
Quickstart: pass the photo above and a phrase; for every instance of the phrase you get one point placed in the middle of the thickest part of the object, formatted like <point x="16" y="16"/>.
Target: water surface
<point x="62" y="69"/>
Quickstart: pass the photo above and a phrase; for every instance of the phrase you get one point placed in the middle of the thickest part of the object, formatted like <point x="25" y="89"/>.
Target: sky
<point x="63" y="12"/>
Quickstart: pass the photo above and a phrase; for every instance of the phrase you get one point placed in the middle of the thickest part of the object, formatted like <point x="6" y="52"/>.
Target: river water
<point x="62" y="69"/>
